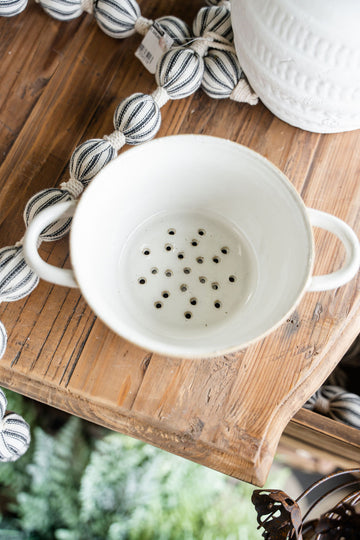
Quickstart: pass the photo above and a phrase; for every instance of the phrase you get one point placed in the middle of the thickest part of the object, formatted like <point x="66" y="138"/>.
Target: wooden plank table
<point x="60" y="83"/>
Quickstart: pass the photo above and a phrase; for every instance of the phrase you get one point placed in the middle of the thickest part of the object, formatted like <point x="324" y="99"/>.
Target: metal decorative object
<point x="280" y="516"/>
<point x="268" y="505"/>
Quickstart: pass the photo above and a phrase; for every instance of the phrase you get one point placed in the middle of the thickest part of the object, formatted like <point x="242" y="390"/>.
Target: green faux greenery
<point x="81" y="483"/>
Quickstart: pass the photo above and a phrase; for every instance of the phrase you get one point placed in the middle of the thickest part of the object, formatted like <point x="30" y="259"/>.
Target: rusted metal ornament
<point x="278" y="514"/>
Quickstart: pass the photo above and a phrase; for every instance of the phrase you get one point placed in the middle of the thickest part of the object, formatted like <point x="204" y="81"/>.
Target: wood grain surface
<point x="59" y="85"/>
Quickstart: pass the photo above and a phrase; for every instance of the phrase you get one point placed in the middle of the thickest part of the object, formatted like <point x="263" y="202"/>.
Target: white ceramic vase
<point x="302" y="59"/>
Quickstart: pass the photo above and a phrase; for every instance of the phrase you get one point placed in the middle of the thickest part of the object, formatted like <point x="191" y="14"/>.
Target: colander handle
<point x="54" y="274"/>
<point x="351" y="243"/>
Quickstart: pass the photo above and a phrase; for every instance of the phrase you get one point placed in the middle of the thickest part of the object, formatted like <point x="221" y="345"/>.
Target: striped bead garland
<point x="222" y="72"/>
<point x="89" y="158"/>
<point x="63" y="10"/>
<point x="10" y="8"/>
<point x="117" y="18"/>
<point x="42" y="200"/>
<point x="310" y="403"/>
<point x="345" y="408"/>
<point x="3" y="342"/>
<point x="138" y="117"/>
<point x="180" y="72"/>
<point x="335" y="402"/>
<point x="213" y="19"/>
<point x="320" y="399"/>
<point x="17" y="280"/>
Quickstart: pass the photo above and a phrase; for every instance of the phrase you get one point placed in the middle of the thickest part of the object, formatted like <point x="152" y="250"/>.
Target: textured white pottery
<point x="192" y="246"/>
<point x="302" y="58"/>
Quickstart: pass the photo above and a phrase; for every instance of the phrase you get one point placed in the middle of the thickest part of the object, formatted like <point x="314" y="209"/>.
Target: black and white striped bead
<point x="17" y="280"/>
<point x="177" y="29"/>
<point x="180" y="72"/>
<point x="42" y="200"/>
<point x="221" y="74"/>
<point x="14" y="437"/>
<point x="89" y="158"/>
<point x="320" y="400"/>
<point x="3" y="342"/>
<point x="138" y="117"/>
<point x="345" y="407"/>
<point x="14" y="433"/>
<point x="117" y="18"/>
<point x="63" y="10"/>
<point x="213" y="19"/>
<point x="339" y="405"/>
<point x="10" y="8"/>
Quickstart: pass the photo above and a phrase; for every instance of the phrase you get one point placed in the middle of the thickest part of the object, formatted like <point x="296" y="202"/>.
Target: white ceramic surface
<point x="192" y="246"/>
<point x="302" y="59"/>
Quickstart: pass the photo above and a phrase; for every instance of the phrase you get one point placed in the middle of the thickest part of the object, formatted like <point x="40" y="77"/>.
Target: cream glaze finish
<point x="302" y="59"/>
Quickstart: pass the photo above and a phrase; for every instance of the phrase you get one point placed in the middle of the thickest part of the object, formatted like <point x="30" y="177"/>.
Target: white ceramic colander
<point x="192" y="246"/>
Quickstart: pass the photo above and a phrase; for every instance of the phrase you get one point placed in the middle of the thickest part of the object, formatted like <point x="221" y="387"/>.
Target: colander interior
<point x="191" y="246"/>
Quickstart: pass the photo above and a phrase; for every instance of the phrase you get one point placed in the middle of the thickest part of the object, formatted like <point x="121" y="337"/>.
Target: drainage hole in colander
<point x="142" y="281"/>
<point x="171" y="232"/>
<point x="201" y="232"/>
<point x="146" y="251"/>
<point x="202" y="279"/>
<point x="183" y="287"/>
<point x="200" y="260"/>
<point x="158" y="305"/>
<point x="217" y="304"/>
<point x="180" y="255"/>
<point x="232" y="279"/>
<point x="187" y="270"/>
<point x="215" y="286"/>
<point x="168" y="273"/>
<point x="194" y="243"/>
<point x="225" y="250"/>
<point x="188" y="314"/>
<point x="168" y="247"/>
<point x="193" y="301"/>
<point x="165" y="294"/>
<point x="154" y="271"/>
<point x="216" y="259"/>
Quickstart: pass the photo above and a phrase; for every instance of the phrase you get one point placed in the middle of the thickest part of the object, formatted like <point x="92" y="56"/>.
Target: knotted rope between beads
<point x="212" y="40"/>
<point x="116" y="18"/>
<point x="14" y="433"/>
<point x="85" y="5"/>
<point x="142" y="25"/>
<point x="335" y="402"/>
<point x="72" y="186"/>
<point x="222" y="86"/>
<point x="117" y="139"/>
